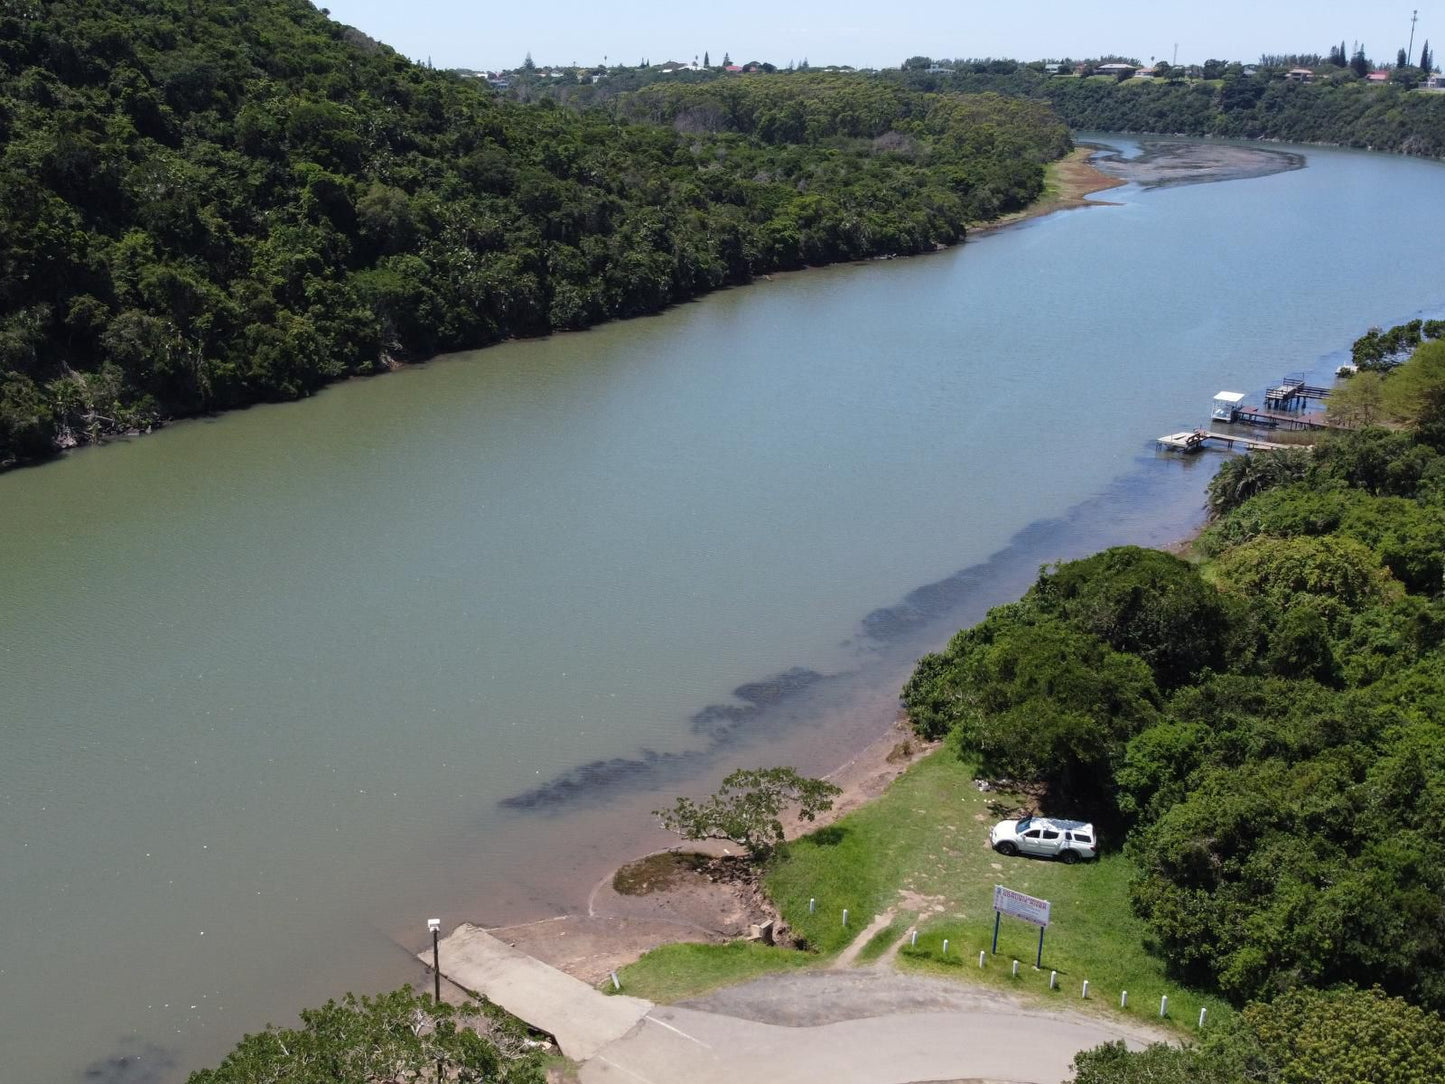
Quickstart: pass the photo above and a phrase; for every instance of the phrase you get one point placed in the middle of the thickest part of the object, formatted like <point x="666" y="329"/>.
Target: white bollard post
<point x="914" y="942"/>
<point x="1053" y="979"/>
<point x="945" y="946"/>
<point x="1201" y="1016"/>
<point x="812" y="904"/>
<point x="1163" y="1004"/>
<point x="845" y="916"/>
<point x="1124" y="999"/>
<point x="615" y="984"/>
<point x="1085" y="994"/>
<point x="981" y="955"/>
<point x="1016" y="969"/>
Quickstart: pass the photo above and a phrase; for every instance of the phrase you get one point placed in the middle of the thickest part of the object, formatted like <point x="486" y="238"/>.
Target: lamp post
<point x="435" y="926"/>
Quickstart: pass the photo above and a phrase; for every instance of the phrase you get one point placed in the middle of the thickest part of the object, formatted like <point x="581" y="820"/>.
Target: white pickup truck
<point x="1068" y="841"/>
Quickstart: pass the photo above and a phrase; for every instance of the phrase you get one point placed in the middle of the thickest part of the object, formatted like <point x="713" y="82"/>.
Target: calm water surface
<point x="266" y="680"/>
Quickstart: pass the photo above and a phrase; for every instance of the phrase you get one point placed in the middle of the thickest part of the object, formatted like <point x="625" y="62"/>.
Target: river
<point x="268" y="681"/>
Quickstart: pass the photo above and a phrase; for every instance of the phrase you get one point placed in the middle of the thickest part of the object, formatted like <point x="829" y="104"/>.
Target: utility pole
<point x="1414" y="18"/>
<point x="434" y="925"/>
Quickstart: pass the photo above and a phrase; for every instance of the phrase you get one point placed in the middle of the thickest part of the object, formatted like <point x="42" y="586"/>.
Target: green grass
<point x="883" y="940"/>
<point x="678" y="971"/>
<point x="928" y="835"/>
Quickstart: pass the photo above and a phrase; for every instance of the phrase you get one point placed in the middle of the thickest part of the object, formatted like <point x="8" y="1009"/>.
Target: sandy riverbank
<point x="696" y="904"/>
<point x="1071" y="180"/>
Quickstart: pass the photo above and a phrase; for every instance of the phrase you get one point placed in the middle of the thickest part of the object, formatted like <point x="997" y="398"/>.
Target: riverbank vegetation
<point x="207" y="206"/>
<point x="397" y="1036"/>
<point x="1261" y="731"/>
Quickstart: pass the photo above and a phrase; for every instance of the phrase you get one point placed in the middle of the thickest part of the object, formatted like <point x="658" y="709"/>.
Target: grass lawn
<point x="922" y="849"/>
<point x="884" y="939"/>
<point x="674" y="972"/>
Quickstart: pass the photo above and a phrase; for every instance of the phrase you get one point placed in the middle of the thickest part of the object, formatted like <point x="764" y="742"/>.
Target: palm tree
<point x="1241" y="477"/>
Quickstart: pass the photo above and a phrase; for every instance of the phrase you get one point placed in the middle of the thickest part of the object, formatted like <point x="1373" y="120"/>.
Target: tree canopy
<point x="1342" y="1036"/>
<point x="400" y="1036"/>
<point x="746" y="807"/>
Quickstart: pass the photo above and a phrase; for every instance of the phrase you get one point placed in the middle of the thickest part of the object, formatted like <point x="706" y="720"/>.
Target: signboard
<point x="1016" y="905"/>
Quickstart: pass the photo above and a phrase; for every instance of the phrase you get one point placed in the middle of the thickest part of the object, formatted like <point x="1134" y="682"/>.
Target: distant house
<point x="1145" y="73"/>
<point x="939" y="69"/>
<point x="1250" y="71"/>
<point x="1378" y="77"/>
<point x="1435" y="82"/>
<point x="1300" y="75"/>
<point x="673" y="66"/>
<point x="1115" y="69"/>
<point x="1052" y="69"/>
<point x="735" y="68"/>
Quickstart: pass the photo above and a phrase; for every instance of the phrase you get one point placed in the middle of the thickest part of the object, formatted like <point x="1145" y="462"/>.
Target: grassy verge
<point x="881" y="941"/>
<point x="922" y="848"/>
<point x="674" y="972"/>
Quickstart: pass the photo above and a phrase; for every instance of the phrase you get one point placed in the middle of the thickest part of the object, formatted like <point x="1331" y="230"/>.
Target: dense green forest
<point x="1382" y="118"/>
<point x="1338" y="108"/>
<point x="209" y="205"/>
<point x="1264" y="728"/>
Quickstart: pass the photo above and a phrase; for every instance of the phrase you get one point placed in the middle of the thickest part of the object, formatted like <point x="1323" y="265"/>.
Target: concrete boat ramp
<point x="581" y="1019"/>
<point x="846" y="1027"/>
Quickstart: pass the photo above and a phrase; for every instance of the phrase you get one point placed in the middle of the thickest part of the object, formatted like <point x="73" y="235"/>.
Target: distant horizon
<point x="450" y="34"/>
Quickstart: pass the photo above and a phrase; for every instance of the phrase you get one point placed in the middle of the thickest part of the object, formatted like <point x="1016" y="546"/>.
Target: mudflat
<point x="1170" y="162"/>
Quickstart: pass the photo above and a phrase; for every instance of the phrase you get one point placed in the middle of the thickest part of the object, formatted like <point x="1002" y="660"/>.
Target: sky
<point x="867" y="33"/>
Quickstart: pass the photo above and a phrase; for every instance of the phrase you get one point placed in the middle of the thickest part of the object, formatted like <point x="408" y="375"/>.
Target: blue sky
<point x="473" y="34"/>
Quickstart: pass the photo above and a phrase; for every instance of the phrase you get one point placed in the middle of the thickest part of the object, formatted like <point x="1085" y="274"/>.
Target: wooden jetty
<point x="1293" y="393"/>
<point x="1284" y="406"/>
<point x="1196" y="440"/>
<point x="1265" y="418"/>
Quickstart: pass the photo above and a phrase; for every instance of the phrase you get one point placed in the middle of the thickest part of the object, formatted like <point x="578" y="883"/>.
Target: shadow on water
<point x="1124" y="512"/>
<point x="720" y="724"/>
<point x="135" y="1062"/>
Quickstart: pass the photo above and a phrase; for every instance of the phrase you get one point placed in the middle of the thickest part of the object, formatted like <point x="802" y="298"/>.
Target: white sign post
<point x="1031" y="909"/>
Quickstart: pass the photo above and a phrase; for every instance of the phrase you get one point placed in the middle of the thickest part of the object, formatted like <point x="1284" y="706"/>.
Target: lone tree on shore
<point x="745" y="808"/>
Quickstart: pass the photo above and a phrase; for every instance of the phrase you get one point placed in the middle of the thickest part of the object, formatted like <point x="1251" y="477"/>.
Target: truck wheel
<point x="1007" y="849"/>
<point x="1068" y="858"/>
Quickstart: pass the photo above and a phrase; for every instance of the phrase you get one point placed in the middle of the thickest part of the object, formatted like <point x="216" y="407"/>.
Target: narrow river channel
<point x="268" y="681"/>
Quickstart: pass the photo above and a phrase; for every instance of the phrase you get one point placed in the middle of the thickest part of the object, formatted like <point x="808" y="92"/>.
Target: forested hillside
<point x="1348" y="113"/>
<point x="208" y="205"/>
<point x="1387" y="118"/>
<point x="1263" y="728"/>
<point x="1338" y="108"/>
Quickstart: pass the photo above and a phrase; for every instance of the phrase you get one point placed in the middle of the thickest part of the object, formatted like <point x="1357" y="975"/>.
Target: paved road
<point x="847" y="1027"/>
<point x="675" y="1044"/>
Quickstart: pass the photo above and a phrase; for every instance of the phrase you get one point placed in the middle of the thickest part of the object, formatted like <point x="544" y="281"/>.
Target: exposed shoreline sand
<point x="1071" y="180"/>
<point x="616" y="929"/>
